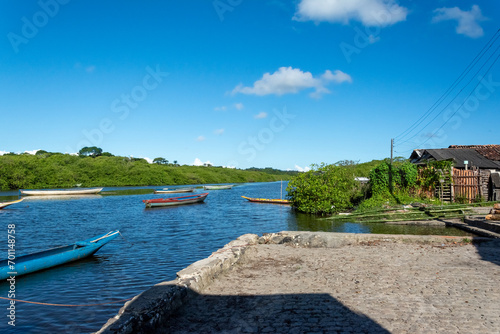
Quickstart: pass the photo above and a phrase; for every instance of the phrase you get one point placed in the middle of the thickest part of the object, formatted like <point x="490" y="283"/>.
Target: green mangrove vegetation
<point x="330" y="189"/>
<point x="96" y="168"/>
<point x="323" y="189"/>
<point x="327" y="189"/>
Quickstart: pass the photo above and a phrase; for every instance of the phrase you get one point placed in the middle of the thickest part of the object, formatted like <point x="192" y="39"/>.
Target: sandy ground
<point x="371" y="288"/>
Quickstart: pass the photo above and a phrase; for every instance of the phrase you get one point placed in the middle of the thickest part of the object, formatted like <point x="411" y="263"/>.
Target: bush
<point x="325" y="189"/>
<point x="404" y="178"/>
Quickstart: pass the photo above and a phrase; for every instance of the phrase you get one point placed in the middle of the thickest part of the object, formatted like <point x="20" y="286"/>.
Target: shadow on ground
<point x="294" y="313"/>
<point x="489" y="251"/>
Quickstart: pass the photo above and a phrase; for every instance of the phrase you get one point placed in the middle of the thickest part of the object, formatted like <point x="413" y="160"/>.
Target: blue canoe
<point x="20" y="265"/>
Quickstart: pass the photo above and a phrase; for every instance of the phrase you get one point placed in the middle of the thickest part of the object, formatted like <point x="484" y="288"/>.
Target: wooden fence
<point x="466" y="184"/>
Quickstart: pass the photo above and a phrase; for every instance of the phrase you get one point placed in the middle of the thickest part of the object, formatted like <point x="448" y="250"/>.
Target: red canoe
<point x="153" y="203"/>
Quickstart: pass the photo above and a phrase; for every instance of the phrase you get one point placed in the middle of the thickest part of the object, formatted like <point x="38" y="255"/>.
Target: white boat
<point x="90" y="191"/>
<point x="220" y="187"/>
<point x="60" y="197"/>
<point x="5" y="204"/>
<point x="177" y="190"/>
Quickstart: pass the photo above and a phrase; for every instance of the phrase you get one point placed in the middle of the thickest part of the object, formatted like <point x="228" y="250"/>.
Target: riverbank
<point x="294" y="282"/>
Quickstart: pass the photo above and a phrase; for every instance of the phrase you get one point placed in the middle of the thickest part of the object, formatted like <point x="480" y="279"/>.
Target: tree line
<point x="93" y="168"/>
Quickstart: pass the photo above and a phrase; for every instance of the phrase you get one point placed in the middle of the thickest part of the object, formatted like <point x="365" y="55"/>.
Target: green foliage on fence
<point x="396" y="178"/>
<point x="410" y="183"/>
<point x="429" y="175"/>
<point x="56" y="170"/>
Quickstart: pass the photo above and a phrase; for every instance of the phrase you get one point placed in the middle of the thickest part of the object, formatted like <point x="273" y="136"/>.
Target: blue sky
<point x="248" y="83"/>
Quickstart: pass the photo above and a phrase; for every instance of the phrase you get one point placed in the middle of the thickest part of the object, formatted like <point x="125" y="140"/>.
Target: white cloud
<point x="201" y="138"/>
<point x="261" y="115"/>
<point x="90" y="69"/>
<point x="222" y="108"/>
<point x="239" y="106"/>
<point x="32" y="152"/>
<point x="198" y="162"/>
<point x="337" y="76"/>
<point x="288" y="80"/>
<point x="371" y="13"/>
<point x="300" y="169"/>
<point x="149" y="160"/>
<point x="467" y="20"/>
<point x="219" y="131"/>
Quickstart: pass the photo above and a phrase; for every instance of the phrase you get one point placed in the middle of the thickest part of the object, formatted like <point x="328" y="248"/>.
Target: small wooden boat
<point x="5" y="204"/>
<point x="60" y="197"/>
<point x="229" y="186"/>
<point x="158" y="202"/>
<point x="178" y="190"/>
<point x="20" y="265"/>
<point x="90" y="191"/>
<point x="267" y="200"/>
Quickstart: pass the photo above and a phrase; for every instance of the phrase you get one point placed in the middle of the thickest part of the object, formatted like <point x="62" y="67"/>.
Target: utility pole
<point x="392" y="149"/>
<point x="390" y="166"/>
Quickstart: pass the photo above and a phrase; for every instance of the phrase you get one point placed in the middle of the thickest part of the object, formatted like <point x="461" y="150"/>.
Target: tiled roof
<point x="491" y="152"/>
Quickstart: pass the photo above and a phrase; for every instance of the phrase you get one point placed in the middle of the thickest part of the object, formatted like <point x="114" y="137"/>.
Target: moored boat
<point x="159" y="202"/>
<point x="60" y="197"/>
<point x="267" y="200"/>
<point x="220" y="187"/>
<point x="171" y="191"/>
<point x="20" y="265"/>
<point x="89" y="191"/>
<point x="5" y="204"/>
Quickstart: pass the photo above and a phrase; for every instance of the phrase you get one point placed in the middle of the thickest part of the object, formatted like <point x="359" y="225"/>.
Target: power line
<point x="489" y="68"/>
<point x="464" y="73"/>
<point x="456" y="95"/>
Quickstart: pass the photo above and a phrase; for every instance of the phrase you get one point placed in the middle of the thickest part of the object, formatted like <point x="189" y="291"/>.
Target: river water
<point x="156" y="244"/>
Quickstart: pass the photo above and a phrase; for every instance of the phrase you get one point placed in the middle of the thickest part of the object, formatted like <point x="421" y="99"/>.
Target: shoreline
<point x="224" y="273"/>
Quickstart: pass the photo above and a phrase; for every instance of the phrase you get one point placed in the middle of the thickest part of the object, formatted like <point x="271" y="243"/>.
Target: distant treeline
<point x="57" y="170"/>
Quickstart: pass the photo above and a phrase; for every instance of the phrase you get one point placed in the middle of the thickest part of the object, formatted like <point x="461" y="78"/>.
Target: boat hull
<point x="267" y="200"/>
<point x="172" y="191"/>
<point x="218" y="187"/>
<point x="162" y="202"/>
<point x="6" y="204"/>
<point x="53" y="257"/>
<point x="61" y="192"/>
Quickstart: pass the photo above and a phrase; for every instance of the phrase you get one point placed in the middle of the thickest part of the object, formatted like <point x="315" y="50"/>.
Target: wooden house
<point x="476" y="171"/>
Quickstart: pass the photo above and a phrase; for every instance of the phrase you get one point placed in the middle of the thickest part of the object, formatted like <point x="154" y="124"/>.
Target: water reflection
<point x="304" y="222"/>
